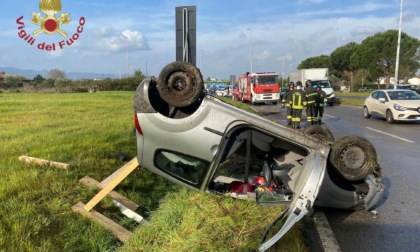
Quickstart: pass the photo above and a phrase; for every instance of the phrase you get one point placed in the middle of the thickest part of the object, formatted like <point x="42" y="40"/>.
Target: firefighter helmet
<point x="291" y="84"/>
<point x="308" y="83"/>
<point x="299" y="83"/>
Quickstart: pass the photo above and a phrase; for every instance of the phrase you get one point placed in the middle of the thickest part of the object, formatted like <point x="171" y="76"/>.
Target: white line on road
<point x="331" y="116"/>
<point x="394" y="136"/>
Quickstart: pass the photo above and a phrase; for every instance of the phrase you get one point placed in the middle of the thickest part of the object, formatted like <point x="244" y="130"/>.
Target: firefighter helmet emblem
<point x="50" y="24"/>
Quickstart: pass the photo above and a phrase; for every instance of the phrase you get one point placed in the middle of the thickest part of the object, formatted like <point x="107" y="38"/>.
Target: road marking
<point x="326" y="235"/>
<point x="394" y="136"/>
<point x="331" y="116"/>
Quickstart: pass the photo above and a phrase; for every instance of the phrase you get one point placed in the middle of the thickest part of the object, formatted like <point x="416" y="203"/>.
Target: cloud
<point x="104" y="30"/>
<point x="57" y="53"/>
<point x="128" y="39"/>
<point x="263" y="55"/>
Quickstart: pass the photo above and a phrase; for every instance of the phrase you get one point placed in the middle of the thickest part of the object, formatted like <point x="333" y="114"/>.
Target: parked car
<point x="394" y="105"/>
<point x="205" y="144"/>
<point x="365" y="89"/>
<point x="400" y="86"/>
<point x="283" y="92"/>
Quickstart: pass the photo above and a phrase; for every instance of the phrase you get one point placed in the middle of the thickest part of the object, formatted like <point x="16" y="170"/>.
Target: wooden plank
<point x="128" y="168"/>
<point x="120" y="232"/>
<point x="39" y="161"/>
<point x="113" y="175"/>
<point x="133" y="206"/>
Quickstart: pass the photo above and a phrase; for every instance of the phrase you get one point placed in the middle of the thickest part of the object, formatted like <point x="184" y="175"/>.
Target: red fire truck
<point x="258" y="87"/>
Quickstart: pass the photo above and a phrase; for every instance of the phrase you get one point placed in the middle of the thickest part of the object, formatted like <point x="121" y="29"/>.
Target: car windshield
<point x="403" y="95"/>
<point x="323" y="83"/>
<point x="270" y="79"/>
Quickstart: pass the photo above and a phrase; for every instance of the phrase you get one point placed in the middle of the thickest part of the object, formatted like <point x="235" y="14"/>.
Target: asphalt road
<point x="396" y="226"/>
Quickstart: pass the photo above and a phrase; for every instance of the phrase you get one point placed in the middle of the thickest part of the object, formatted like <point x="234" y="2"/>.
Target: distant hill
<point x="30" y="74"/>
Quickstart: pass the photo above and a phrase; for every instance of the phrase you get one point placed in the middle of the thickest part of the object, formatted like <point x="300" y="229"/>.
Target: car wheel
<point x="180" y="84"/>
<point x="354" y="158"/>
<point x="319" y="132"/>
<point x="366" y="112"/>
<point x="389" y="116"/>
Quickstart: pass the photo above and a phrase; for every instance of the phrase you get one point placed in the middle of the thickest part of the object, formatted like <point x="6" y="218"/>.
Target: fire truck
<point x="258" y="88"/>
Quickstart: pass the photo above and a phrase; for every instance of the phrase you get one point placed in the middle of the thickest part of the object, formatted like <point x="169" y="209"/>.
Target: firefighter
<point x="320" y="100"/>
<point x="297" y="101"/>
<point x="310" y="97"/>
<point x="283" y="102"/>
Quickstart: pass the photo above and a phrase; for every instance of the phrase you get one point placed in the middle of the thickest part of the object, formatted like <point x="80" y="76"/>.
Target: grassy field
<point x="87" y="130"/>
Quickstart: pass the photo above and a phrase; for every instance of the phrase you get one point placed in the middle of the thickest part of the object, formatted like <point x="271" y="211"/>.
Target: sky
<point x="118" y="37"/>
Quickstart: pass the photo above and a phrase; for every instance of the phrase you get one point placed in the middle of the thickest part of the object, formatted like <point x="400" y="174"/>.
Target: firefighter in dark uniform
<point x="320" y="100"/>
<point x="310" y="97"/>
<point x="297" y="101"/>
<point x="284" y="103"/>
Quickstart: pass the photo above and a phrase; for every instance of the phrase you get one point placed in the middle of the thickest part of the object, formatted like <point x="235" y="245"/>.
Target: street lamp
<point x="250" y="48"/>
<point x="397" y="61"/>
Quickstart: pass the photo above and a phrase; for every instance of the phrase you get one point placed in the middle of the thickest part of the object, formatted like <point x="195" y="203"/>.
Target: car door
<point x="247" y="151"/>
<point x="382" y="103"/>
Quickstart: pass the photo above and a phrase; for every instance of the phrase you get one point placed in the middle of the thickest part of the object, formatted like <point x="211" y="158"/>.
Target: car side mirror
<point x="382" y="100"/>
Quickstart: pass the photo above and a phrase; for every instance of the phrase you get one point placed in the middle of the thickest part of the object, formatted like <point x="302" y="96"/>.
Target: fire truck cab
<point x="258" y="88"/>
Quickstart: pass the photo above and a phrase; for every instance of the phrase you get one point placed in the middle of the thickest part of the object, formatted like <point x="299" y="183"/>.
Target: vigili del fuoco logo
<point x="50" y="23"/>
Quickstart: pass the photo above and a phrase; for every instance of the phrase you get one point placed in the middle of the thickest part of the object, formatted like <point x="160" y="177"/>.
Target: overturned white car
<point x="205" y="144"/>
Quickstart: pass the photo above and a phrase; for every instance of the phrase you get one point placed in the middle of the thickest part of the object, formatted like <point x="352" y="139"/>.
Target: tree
<point x="322" y="61"/>
<point x="341" y="62"/>
<point x="377" y="53"/>
<point x="13" y="81"/>
<point x="38" y="78"/>
<point x="55" y="74"/>
<point x="139" y="74"/>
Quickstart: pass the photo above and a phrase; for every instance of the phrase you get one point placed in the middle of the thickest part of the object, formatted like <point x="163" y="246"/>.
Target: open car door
<point x="291" y="173"/>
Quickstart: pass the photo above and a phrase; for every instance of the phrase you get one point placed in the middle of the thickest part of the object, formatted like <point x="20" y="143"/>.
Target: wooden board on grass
<point x="113" y="194"/>
<point x="120" y="232"/>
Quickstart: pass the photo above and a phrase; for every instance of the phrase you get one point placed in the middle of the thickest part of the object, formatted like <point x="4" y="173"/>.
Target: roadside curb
<point x="326" y="236"/>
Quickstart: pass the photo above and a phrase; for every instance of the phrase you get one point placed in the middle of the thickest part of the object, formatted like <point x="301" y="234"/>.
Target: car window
<point x="189" y="169"/>
<point x="403" y="95"/>
<point x="374" y="95"/>
<point x="382" y="95"/>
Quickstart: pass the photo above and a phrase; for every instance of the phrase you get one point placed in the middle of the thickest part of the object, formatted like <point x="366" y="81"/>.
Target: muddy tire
<point x="354" y="158"/>
<point x="319" y="132"/>
<point x="366" y="112"/>
<point x="180" y="84"/>
<point x="389" y="117"/>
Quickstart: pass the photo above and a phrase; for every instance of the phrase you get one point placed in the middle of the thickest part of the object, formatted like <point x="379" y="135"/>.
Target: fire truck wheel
<point x="180" y="84"/>
<point x="354" y="158"/>
<point x="319" y="132"/>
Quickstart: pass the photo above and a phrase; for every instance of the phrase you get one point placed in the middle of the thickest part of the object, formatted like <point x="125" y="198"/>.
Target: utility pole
<point x="397" y="61"/>
<point x="250" y="48"/>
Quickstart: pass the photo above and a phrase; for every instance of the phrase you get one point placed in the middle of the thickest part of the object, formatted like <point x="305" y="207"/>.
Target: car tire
<point x="389" y="117"/>
<point x="319" y="132"/>
<point x="366" y="113"/>
<point x="354" y="158"/>
<point x="180" y="84"/>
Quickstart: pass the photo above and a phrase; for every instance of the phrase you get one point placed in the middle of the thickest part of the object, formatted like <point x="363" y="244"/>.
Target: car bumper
<point x="406" y="115"/>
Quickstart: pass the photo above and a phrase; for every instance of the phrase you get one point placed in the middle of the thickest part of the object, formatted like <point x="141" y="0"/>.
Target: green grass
<point x="86" y="131"/>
